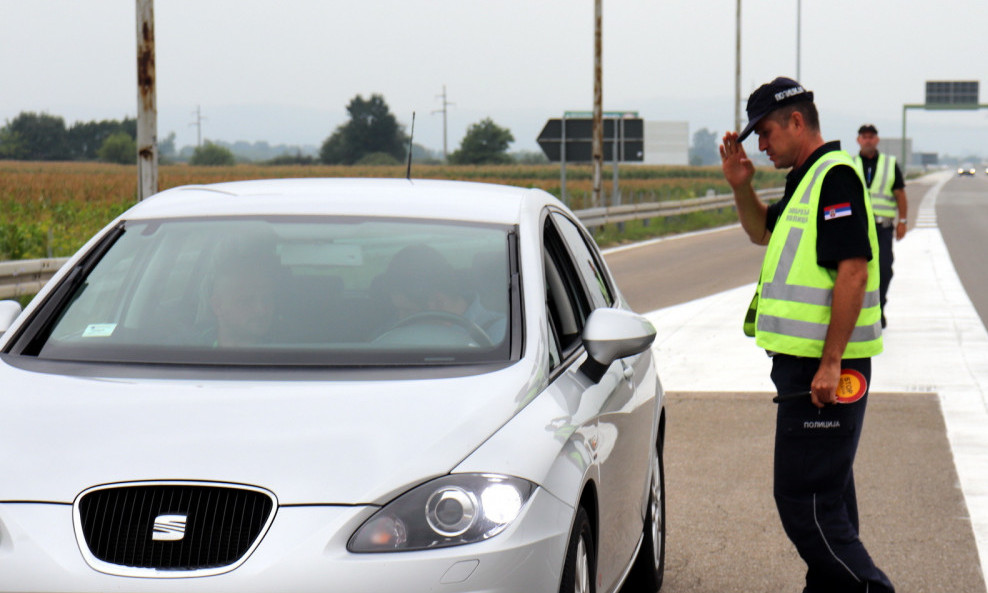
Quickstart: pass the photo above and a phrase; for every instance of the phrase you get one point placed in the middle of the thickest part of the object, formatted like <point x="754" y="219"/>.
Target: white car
<point x="332" y="385"/>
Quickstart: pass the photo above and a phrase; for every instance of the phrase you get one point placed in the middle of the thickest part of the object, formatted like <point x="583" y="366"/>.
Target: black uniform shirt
<point x="839" y="238"/>
<point x="869" y="171"/>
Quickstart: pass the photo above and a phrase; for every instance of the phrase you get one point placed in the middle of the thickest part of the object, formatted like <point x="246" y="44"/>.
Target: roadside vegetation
<point x="49" y="209"/>
<point x="60" y="184"/>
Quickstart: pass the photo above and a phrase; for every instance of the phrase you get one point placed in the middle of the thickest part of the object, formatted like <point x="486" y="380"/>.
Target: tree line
<point x="42" y="137"/>
<point x="371" y="135"/>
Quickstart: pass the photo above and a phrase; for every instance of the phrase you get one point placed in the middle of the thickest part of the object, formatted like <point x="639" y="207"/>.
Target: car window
<point x="312" y="291"/>
<point x="587" y="261"/>
<point x="567" y="303"/>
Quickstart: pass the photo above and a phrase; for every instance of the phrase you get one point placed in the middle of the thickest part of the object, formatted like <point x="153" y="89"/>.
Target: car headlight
<point x="449" y="511"/>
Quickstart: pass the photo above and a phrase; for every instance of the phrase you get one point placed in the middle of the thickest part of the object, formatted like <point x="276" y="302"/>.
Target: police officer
<point x="888" y="200"/>
<point x="816" y="311"/>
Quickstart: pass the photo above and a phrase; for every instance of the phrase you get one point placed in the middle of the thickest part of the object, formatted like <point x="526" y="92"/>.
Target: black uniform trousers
<point x="814" y="481"/>
<point x="886" y="237"/>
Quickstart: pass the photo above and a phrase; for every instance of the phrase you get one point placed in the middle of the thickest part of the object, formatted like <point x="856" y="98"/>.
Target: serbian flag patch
<point x="837" y="211"/>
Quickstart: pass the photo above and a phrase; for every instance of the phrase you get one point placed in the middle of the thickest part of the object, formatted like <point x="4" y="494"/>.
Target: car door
<point x="622" y="419"/>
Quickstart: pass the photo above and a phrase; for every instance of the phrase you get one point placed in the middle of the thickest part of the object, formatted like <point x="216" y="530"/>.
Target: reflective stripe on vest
<point x="814" y="331"/>
<point x="794" y="306"/>
<point x="781" y="291"/>
<point x="882" y="198"/>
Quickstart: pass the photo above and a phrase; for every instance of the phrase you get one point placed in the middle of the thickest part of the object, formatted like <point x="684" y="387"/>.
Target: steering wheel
<point x="476" y="333"/>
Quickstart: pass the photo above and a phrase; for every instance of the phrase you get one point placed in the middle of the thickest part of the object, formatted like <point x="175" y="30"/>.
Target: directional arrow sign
<point x="578" y="132"/>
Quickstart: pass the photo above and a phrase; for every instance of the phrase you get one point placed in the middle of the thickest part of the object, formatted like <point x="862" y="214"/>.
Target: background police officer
<point x="817" y="313"/>
<point x="888" y="200"/>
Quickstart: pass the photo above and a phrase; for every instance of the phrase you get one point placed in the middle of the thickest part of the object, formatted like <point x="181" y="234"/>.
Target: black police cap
<point x="868" y="129"/>
<point x="771" y="96"/>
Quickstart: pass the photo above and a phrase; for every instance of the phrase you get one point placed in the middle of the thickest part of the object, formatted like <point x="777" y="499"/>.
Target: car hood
<point x="309" y="442"/>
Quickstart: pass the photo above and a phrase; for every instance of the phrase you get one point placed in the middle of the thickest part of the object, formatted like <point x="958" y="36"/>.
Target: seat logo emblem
<point x="169" y="528"/>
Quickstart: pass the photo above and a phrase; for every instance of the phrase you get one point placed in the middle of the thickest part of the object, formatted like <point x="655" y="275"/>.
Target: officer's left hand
<point x="823" y="389"/>
<point x="900" y="231"/>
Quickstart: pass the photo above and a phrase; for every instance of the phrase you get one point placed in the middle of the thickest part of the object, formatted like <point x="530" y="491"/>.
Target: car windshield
<point x="290" y="291"/>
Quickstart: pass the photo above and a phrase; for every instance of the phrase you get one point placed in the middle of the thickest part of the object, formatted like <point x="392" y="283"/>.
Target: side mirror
<point x="9" y="310"/>
<point x="611" y="334"/>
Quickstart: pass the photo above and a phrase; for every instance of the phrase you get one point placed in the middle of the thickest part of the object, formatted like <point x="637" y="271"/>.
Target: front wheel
<point x="579" y="571"/>
<point x="649" y="568"/>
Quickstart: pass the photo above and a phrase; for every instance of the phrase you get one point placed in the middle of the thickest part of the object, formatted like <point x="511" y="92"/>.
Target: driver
<point x="243" y="302"/>
<point x="419" y="279"/>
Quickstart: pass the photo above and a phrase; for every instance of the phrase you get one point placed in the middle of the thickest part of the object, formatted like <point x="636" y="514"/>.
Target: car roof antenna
<point x="408" y="170"/>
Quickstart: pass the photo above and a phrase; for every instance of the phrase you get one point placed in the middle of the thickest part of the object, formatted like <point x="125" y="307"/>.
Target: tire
<point x="647" y="573"/>
<point x="580" y="569"/>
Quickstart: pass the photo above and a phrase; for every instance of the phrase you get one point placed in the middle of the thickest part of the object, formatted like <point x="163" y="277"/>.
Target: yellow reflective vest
<point x="791" y="310"/>
<point x="882" y="199"/>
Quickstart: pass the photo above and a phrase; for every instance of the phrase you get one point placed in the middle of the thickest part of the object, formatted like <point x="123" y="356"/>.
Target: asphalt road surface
<point x="962" y="215"/>
<point x="723" y="531"/>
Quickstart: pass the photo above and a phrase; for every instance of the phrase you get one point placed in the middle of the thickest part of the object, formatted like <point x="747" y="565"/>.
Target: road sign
<point x="629" y="132"/>
<point x="944" y="95"/>
<point x="952" y="94"/>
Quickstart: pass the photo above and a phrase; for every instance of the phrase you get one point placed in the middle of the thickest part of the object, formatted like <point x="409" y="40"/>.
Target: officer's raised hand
<point x="738" y="168"/>
<point x="738" y="172"/>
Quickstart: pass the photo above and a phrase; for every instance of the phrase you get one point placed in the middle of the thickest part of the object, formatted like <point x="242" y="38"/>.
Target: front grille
<point x="221" y="524"/>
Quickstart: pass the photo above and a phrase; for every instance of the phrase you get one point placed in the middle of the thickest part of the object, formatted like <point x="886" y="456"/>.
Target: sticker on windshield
<point x="99" y="330"/>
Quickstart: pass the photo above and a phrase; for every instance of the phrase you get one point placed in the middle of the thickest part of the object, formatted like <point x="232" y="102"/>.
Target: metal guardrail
<point x="27" y="276"/>
<point x="600" y="216"/>
<point x="24" y="277"/>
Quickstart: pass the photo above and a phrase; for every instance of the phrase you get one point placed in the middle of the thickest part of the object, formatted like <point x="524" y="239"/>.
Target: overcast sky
<point x="284" y="70"/>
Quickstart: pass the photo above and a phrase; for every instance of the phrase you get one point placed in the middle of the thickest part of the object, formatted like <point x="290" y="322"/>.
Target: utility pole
<point x="597" y="145"/>
<point x="737" y="71"/>
<point x="198" y="124"/>
<point x="443" y="111"/>
<point x="799" y="35"/>
<point x="147" y="108"/>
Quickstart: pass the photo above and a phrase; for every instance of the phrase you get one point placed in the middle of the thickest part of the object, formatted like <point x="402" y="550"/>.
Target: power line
<point x="198" y="124"/>
<point x="443" y="111"/>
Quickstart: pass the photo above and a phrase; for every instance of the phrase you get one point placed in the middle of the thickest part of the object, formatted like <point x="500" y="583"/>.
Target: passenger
<point x="419" y="279"/>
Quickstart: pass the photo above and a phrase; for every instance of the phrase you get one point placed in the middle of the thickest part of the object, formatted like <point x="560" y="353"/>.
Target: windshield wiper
<point x="39" y="326"/>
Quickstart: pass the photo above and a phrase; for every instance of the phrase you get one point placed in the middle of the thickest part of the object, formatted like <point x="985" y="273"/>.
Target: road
<point x="723" y="531"/>
<point x="664" y="273"/>
<point x="962" y="215"/>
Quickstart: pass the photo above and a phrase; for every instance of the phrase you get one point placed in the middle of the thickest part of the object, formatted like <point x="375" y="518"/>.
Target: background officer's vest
<point x="792" y="304"/>
<point x="882" y="200"/>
